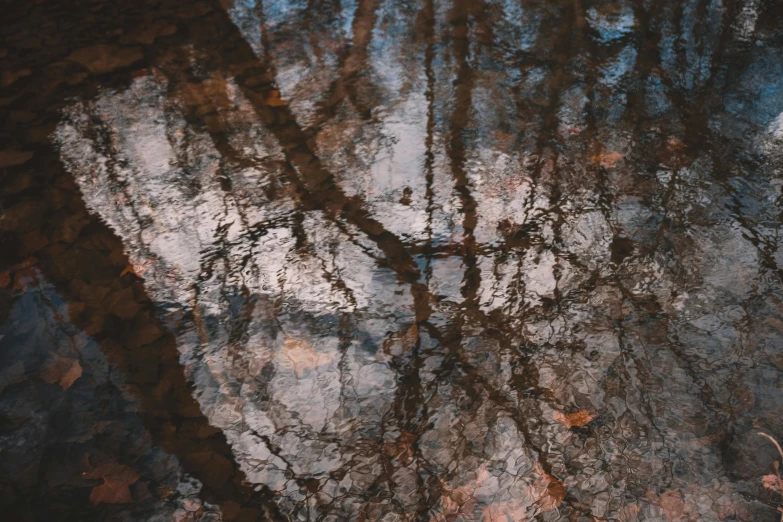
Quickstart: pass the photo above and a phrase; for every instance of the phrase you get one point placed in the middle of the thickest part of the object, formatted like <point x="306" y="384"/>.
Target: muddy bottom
<point x="391" y="260"/>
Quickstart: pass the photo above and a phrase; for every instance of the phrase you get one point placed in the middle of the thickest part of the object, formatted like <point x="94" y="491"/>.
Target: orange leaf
<point x="547" y="492"/>
<point x="462" y="499"/>
<point x="629" y="512"/>
<point x="773" y="482"/>
<point x="608" y="160"/>
<point x="136" y="269"/>
<point x="61" y="370"/>
<point x="401" y="449"/>
<point x="410" y="337"/>
<point x="273" y="99"/>
<point x="734" y="511"/>
<point x="578" y="419"/>
<point x="672" y="505"/>
<point x="303" y="356"/>
<point x="673" y="153"/>
<point x="116" y="479"/>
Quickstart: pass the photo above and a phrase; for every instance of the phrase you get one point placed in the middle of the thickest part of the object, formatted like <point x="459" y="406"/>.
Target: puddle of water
<point x="391" y="261"/>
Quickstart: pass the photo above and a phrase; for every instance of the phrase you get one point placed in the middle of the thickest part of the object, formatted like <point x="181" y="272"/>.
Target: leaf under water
<point x="547" y="491"/>
<point x="61" y="370"/>
<point x="302" y="355"/>
<point x="578" y="419"/>
<point x="116" y="479"/>
<point x="608" y="160"/>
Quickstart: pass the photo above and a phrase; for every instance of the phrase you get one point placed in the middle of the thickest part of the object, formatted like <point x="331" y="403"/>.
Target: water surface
<point x="374" y="260"/>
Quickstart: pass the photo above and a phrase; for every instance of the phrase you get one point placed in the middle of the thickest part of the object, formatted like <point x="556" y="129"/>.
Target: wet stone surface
<point x="367" y="260"/>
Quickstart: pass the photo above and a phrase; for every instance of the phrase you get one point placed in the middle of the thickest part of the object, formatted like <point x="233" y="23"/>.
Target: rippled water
<point x="373" y="260"/>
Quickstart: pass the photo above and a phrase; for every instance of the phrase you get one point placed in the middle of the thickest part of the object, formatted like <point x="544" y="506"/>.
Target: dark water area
<point x="373" y="260"/>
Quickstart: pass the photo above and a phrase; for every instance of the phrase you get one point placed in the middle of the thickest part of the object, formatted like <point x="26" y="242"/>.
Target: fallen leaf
<point x="303" y="356"/>
<point x="24" y="273"/>
<point x="773" y="482"/>
<point x="504" y="512"/>
<point x="672" y="154"/>
<point x="189" y="512"/>
<point x="273" y="99"/>
<point x="34" y="241"/>
<point x="402" y="448"/>
<point x="24" y="279"/>
<point x="116" y="479"/>
<point x="97" y="428"/>
<point x="672" y="505"/>
<point x="164" y="492"/>
<point x="772" y="321"/>
<point x="410" y="337"/>
<point x="11" y="375"/>
<point x="12" y="158"/>
<point x="5" y="279"/>
<point x="629" y="512"/>
<point x="103" y="58"/>
<point x="608" y="160"/>
<point x="547" y="492"/>
<point x="190" y="505"/>
<point x="461" y="500"/>
<point x="569" y="130"/>
<point x="8" y="77"/>
<point x="182" y="515"/>
<point x="578" y="419"/>
<point x="734" y="511"/>
<point x="136" y="269"/>
<point x="61" y="370"/>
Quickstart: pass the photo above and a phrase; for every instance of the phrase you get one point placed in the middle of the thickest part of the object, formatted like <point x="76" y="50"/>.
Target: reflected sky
<point x="448" y="261"/>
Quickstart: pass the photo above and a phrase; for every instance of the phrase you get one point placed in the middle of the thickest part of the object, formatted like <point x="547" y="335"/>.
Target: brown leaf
<point x="547" y="492"/>
<point x="773" y="482"/>
<point x="578" y="419"/>
<point x="402" y="448"/>
<point x="410" y="337"/>
<point x="11" y="158"/>
<point x="8" y="77"/>
<point x="273" y="99"/>
<point x="303" y="356"/>
<point x="672" y="505"/>
<point x="136" y="269"/>
<point x="61" y="370"/>
<point x="629" y="512"/>
<point x="24" y="278"/>
<point x="734" y="511"/>
<point x="461" y="500"/>
<point x="608" y="160"/>
<point x="189" y="511"/>
<point x="672" y="154"/>
<point x="116" y="479"/>
<point x="164" y="492"/>
<point x="103" y="58"/>
<point x="34" y="241"/>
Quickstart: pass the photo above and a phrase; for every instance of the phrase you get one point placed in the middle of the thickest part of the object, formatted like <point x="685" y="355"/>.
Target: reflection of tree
<point x="523" y="315"/>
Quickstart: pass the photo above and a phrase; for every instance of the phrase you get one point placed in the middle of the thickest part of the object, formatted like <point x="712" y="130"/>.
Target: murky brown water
<point x="367" y="260"/>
